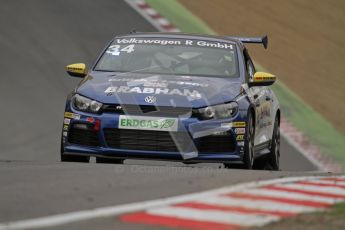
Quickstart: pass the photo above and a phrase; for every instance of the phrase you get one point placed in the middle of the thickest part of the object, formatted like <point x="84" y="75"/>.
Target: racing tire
<point x="248" y="156"/>
<point x="274" y="155"/>
<point x="103" y="160"/>
<point x="72" y="158"/>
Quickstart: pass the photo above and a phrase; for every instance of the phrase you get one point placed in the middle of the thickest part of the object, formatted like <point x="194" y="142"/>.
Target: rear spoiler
<point x="260" y="40"/>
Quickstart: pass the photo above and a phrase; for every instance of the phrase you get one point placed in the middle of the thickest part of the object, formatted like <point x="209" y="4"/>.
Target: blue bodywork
<point x="214" y="91"/>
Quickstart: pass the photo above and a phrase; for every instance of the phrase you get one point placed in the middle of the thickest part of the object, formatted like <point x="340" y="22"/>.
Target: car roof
<point x="181" y="36"/>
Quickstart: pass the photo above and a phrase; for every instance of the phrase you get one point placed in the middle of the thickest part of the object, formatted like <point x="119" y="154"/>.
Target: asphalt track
<point x="37" y="39"/>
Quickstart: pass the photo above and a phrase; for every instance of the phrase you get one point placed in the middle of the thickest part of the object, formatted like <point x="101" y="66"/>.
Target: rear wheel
<point x="108" y="160"/>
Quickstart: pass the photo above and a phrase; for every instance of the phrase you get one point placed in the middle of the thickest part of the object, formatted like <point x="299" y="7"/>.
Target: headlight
<point x="219" y="111"/>
<point x="85" y="104"/>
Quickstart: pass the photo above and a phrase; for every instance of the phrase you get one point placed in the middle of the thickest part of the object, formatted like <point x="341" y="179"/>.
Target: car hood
<point x="159" y="90"/>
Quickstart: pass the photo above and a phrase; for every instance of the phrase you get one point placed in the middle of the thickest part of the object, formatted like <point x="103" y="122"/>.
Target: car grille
<point x="162" y="141"/>
<point x="217" y="144"/>
<point x="139" y="140"/>
<point x="83" y="137"/>
<point x="166" y="111"/>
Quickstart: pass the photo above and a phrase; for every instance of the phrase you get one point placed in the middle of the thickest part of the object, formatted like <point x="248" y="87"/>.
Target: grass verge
<point x="302" y="116"/>
<point x="332" y="219"/>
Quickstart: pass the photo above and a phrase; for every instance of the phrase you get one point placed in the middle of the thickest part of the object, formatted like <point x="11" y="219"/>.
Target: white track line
<point x="291" y="195"/>
<point x="314" y="188"/>
<point x="335" y="183"/>
<point x="256" y="204"/>
<point x="60" y="219"/>
<point x="224" y="217"/>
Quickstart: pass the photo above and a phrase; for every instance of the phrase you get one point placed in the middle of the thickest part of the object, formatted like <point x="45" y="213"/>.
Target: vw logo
<point x="150" y="99"/>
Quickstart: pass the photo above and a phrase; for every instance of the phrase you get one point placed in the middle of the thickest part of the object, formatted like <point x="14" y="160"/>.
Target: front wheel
<point x="72" y="158"/>
<point x="274" y="155"/>
<point x="248" y="157"/>
<point x="108" y="160"/>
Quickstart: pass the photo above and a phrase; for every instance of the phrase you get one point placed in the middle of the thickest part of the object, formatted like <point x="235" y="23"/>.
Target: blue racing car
<point x="173" y="96"/>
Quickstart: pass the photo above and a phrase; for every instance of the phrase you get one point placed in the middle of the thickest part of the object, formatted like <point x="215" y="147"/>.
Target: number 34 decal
<point x="116" y="49"/>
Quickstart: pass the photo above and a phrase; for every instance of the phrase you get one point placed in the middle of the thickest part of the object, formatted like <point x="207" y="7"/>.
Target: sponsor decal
<point x="220" y="134"/>
<point x="68" y="115"/>
<point x="90" y="119"/>
<point x="240" y="137"/>
<point x="67" y="121"/>
<point x="76" y="116"/>
<point x="150" y="82"/>
<point x="148" y="123"/>
<point x="239" y="124"/>
<point x="240" y="143"/>
<point x="265" y="110"/>
<point x="149" y="41"/>
<point x="72" y="115"/>
<point x="155" y="84"/>
<point x="164" y="42"/>
<point x="112" y="90"/>
<point x="117" y="49"/>
<point x="226" y="125"/>
<point x="240" y="130"/>
<point x="65" y="127"/>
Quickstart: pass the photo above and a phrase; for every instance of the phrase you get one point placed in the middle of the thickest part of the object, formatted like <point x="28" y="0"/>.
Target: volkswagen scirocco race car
<point x="173" y="96"/>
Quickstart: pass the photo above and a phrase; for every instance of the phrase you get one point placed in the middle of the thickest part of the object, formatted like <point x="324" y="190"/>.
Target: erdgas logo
<point x="167" y="123"/>
<point x="150" y="99"/>
<point x="148" y="123"/>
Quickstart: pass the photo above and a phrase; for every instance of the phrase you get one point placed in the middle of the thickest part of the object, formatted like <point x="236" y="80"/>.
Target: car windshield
<point x="170" y="56"/>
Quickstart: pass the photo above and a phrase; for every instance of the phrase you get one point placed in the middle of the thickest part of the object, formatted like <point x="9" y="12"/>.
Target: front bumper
<point x="216" y="141"/>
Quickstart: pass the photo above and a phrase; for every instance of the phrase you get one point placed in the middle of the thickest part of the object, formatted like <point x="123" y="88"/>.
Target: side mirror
<point x="76" y="70"/>
<point x="262" y="79"/>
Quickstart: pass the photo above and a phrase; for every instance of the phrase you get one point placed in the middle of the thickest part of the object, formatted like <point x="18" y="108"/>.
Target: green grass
<point x="302" y="116"/>
<point x="338" y="210"/>
<point x="330" y="219"/>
